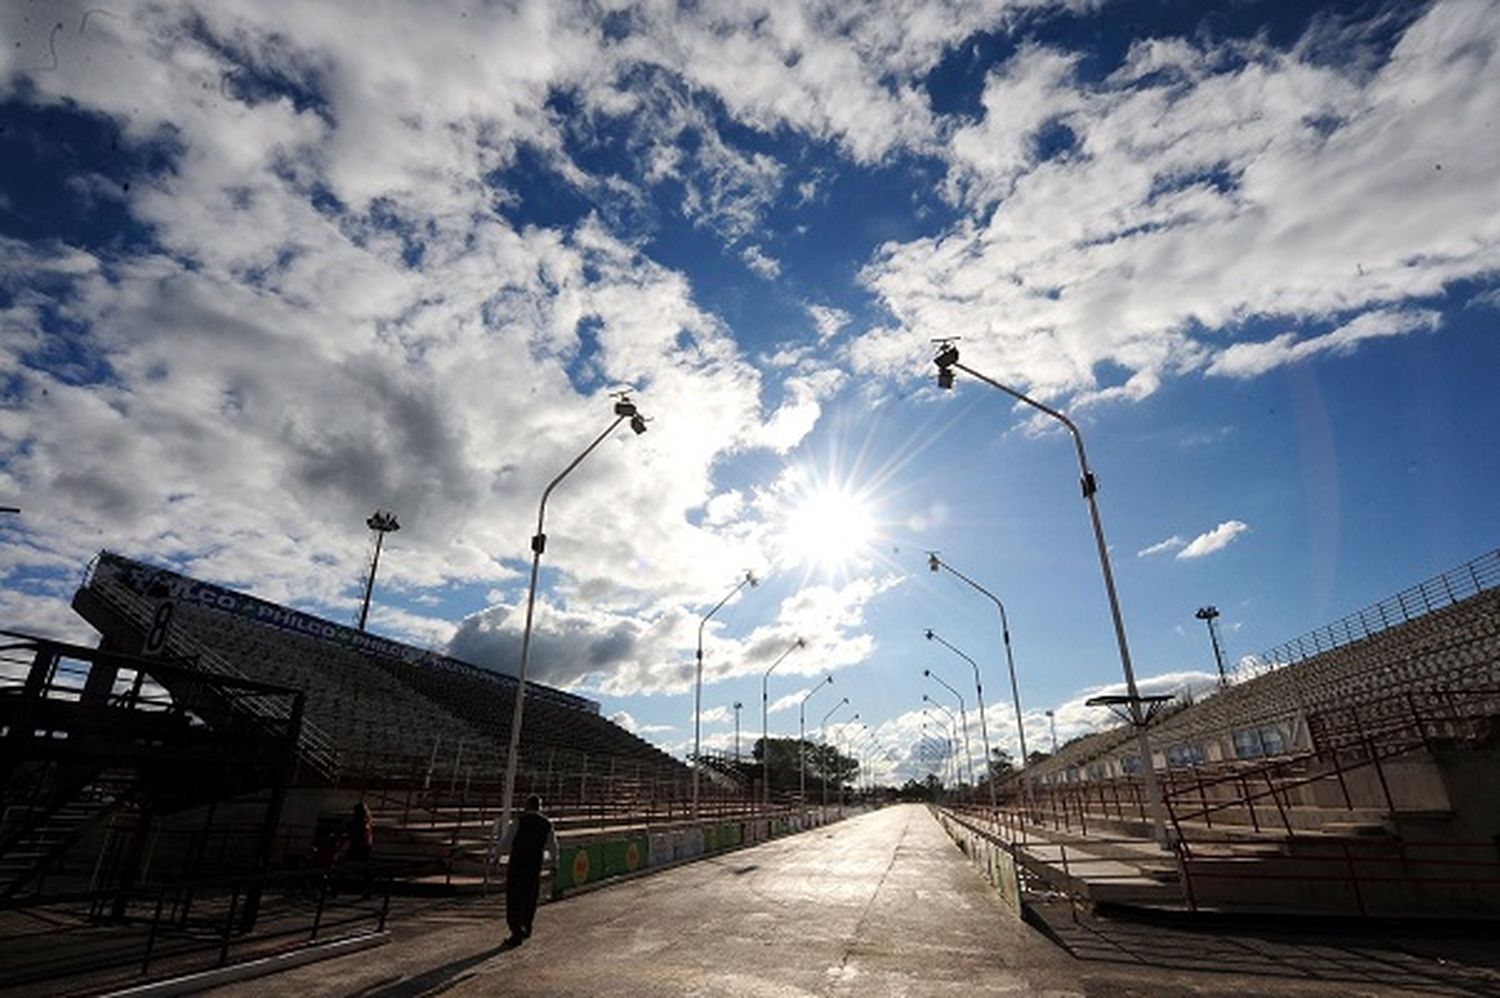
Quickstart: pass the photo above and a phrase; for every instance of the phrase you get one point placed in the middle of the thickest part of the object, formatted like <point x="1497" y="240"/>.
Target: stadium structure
<point x="177" y="794"/>
<point x="214" y="742"/>
<point x="1350" y="771"/>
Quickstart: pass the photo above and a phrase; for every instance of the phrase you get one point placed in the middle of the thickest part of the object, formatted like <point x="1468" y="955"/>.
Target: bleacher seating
<point x="1453" y="648"/>
<point x="383" y="713"/>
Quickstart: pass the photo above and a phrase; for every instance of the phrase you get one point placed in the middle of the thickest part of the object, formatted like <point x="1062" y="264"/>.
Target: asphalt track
<point x="881" y="904"/>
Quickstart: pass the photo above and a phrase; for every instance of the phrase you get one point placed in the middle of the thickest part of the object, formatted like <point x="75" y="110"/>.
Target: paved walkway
<point x="882" y="904"/>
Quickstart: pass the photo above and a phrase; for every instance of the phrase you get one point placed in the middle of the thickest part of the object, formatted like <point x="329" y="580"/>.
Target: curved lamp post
<point x="963" y="719"/>
<point x="953" y="730"/>
<point x="823" y="744"/>
<point x="765" y="723"/>
<point x="838" y="754"/>
<point x="947" y="361"/>
<point x="625" y="410"/>
<point x="984" y="731"/>
<point x="935" y="563"/>
<point x="802" y="738"/>
<point x="748" y="580"/>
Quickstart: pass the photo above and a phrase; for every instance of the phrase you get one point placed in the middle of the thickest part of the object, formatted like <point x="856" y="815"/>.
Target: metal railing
<point x="314" y="745"/>
<point x="1440" y="591"/>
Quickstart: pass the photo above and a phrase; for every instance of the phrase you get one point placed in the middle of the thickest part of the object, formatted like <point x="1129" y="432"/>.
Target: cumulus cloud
<point x="1247" y="360"/>
<point x="1213" y="540"/>
<point x="1122" y="225"/>
<point x="1170" y="544"/>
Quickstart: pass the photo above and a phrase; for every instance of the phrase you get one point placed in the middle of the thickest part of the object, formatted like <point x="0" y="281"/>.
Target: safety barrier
<point x="587" y="862"/>
<point x="994" y="856"/>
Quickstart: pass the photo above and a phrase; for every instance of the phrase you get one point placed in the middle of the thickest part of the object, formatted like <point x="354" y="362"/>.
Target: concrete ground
<point x="882" y="904"/>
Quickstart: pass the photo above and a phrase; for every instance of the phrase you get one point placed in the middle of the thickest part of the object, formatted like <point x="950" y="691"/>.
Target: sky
<point x="265" y="268"/>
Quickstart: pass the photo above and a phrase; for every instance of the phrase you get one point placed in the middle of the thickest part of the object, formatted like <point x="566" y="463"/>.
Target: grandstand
<point x="187" y="667"/>
<point x="1345" y="771"/>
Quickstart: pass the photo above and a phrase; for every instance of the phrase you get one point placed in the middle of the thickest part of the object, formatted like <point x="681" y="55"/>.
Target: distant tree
<point x="1002" y="766"/>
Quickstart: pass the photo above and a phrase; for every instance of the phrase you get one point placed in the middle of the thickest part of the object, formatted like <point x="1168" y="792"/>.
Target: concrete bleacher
<point x="378" y="712"/>
<point x="1452" y="648"/>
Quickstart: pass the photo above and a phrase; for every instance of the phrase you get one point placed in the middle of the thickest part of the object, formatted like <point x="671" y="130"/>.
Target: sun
<point x="830" y="529"/>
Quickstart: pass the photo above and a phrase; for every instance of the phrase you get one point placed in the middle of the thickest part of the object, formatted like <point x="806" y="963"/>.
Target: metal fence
<point x="1445" y="590"/>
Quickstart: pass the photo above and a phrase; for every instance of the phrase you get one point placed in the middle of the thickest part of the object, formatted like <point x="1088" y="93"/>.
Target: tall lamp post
<point x="625" y="411"/>
<point x="963" y="717"/>
<point x="1052" y="723"/>
<point x="984" y="730"/>
<point x="953" y="741"/>
<point x="802" y="738"/>
<point x="823" y="746"/>
<point x="935" y="563"/>
<point x="1208" y="615"/>
<point x="765" y="723"/>
<point x="839" y="755"/>
<point x="748" y="580"/>
<point x="380" y="523"/>
<point x="947" y="361"/>
<point x="737" y="706"/>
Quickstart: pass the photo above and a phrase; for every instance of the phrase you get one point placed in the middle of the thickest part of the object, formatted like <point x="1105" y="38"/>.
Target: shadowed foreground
<point x="882" y="904"/>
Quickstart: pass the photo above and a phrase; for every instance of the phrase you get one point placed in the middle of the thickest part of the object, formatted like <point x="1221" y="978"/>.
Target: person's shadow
<point x="432" y="982"/>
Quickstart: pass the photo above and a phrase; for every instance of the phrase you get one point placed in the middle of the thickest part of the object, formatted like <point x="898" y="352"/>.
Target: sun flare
<point x="830" y="529"/>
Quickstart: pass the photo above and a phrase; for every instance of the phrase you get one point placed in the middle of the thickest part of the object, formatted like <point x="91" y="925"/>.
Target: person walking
<point x="527" y="839"/>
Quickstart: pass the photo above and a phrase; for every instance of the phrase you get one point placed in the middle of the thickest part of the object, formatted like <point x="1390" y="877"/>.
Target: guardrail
<point x="1444" y="590"/>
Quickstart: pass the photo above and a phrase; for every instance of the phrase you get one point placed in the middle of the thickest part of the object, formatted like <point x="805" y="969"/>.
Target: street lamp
<point x="765" y="723"/>
<point x="963" y="715"/>
<point x="802" y="739"/>
<point x="984" y="730"/>
<point x="838" y="754"/>
<point x="823" y="746"/>
<point x="1208" y="615"/>
<point x="737" y="706"/>
<point x="625" y="410"/>
<point x="947" y="361"/>
<point x="934" y="563"/>
<point x="953" y="751"/>
<point x="748" y="580"/>
<point x="380" y="523"/>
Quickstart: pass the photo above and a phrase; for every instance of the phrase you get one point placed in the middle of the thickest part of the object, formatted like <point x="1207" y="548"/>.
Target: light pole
<point x="802" y="739"/>
<point x="1208" y="615"/>
<point x="737" y="706"/>
<point x="953" y="742"/>
<point x="625" y="410"/>
<point x="934" y="563"/>
<point x="765" y="723"/>
<point x="963" y="716"/>
<point x="823" y="747"/>
<point x="380" y="523"/>
<point x="838" y="755"/>
<point x="1052" y="723"/>
<point x="946" y="361"/>
<point x="984" y="730"/>
<point x="748" y="580"/>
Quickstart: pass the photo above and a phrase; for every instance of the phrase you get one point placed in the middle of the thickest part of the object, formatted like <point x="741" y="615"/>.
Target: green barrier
<point x="580" y="865"/>
<point x="729" y="836"/>
<point x="624" y="856"/>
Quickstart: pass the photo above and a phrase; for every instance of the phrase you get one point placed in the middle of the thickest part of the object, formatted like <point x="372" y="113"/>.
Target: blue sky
<point x="262" y="271"/>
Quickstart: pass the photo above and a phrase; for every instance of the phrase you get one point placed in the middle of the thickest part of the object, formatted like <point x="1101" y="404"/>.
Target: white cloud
<point x="1171" y="543"/>
<point x="1213" y="540"/>
<point x="757" y="261"/>
<point x="1247" y="360"/>
<point x="1206" y="185"/>
<point x="828" y="320"/>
